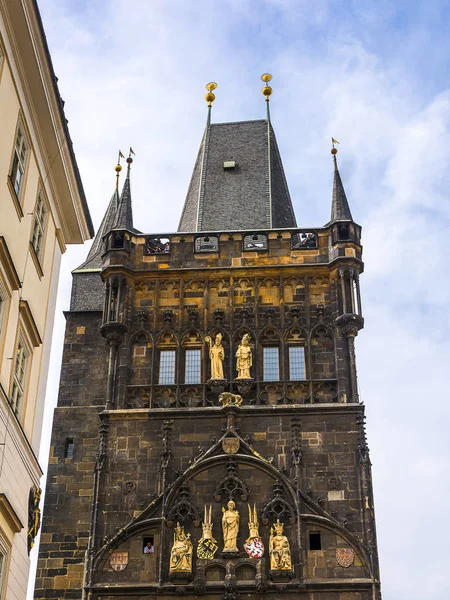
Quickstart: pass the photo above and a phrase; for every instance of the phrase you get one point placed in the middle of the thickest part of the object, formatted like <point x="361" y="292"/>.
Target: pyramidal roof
<point x="238" y="181"/>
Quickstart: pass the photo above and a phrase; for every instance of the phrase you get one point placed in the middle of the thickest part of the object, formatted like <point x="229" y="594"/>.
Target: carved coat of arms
<point x="345" y="557"/>
<point x="206" y="548"/>
<point x="254" y="548"/>
<point x="118" y="561"/>
<point x="230" y="445"/>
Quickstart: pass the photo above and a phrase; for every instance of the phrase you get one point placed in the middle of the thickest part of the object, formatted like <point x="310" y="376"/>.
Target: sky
<point x="374" y="75"/>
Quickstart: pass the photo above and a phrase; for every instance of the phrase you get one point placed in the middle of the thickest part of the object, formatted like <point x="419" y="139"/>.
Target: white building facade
<point x="42" y="208"/>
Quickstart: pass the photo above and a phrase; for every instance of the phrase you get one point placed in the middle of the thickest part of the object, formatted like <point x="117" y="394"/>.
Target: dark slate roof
<point x="124" y="216"/>
<point x="340" y="209"/>
<point x="94" y="258"/>
<point x="254" y="195"/>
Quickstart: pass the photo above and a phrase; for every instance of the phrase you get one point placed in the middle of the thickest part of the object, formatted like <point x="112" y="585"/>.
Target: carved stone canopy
<point x="231" y="485"/>
<point x="184" y="509"/>
<point x="278" y="507"/>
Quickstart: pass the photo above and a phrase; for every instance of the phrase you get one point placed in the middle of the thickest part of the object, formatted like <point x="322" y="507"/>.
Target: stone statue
<point x="181" y="553"/>
<point x="244" y="358"/>
<point x="230" y="527"/>
<point x="279" y="549"/>
<point x="216" y="355"/>
<point x="207" y="545"/>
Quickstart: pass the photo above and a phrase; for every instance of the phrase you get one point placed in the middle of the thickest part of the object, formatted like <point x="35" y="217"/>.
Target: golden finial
<point x="118" y="168"/>
<point x="267" y="90"/>
<point x="210" y="97"/>
<point x="334" y="150"/>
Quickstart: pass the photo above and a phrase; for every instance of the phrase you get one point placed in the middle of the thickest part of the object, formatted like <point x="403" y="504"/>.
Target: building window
<point x="19" y="161"/>
<point x="193" y="369"/>
<point x="271" y="364"/>
<point x="3" y="561"/>
<point x="297" y="370"/>
<point x="315" y="543"/>
<point x="3" y="307"/>
<point x="19" y="377"/>
<point x="39" y="224"/>
<point x="167" y="367"/>
<point x="70" y="447"/>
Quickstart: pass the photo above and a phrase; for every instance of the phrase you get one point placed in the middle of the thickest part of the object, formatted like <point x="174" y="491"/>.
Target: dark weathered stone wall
<point x="159" y="453"/>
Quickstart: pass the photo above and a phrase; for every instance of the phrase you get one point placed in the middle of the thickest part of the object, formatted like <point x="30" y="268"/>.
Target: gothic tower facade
<point x="209" y="440"/>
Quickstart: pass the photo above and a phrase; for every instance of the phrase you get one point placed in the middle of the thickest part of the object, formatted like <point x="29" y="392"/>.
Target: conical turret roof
<point x="94" y="258"/>
<point x="340" y="209"/>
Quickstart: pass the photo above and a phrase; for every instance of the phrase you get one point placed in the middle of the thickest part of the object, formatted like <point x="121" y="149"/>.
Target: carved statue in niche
<point x="207" y="545"/>
<point x="244" y="358"/>
<point x="216" y="355"/>
<point x="230" y="527"/>
<point x="181" y="553"/>
<point x="279" y="549"/>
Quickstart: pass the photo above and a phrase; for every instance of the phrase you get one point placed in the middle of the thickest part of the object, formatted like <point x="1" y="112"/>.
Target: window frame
<point x="18" y="406"/>
<point x="161" y="352"/>
<point x="270" y="347"/>
<point x="41" y="219"/>
<point x="22" y="161"/>
<point x="5" y="553"/>
<point x="317" y="538"/>
<point x="5" y="300"/>
<point x="292" y="347"/>
<point x="200" y="362"/>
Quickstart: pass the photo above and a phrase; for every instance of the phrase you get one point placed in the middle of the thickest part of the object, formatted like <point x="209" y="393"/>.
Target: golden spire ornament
<point x="267" y="90"/>
<point x="118" y="168"/>
<point x="210" y="97"/>
<point x="334" y="151"/>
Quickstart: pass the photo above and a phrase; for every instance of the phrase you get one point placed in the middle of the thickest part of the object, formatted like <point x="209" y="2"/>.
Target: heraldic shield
<point x="254" y="548"/>
<point x="118" y="561"/>
<point x="345" y="557"/>
<point x="230" y="445"/>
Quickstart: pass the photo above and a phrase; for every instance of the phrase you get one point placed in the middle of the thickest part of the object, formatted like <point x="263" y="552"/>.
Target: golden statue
<point x="181" y="553"/>
<point x="230" y="527"/>
<point x="253" y="544"/>
<point x="217" y="356"/>
<point x="279" y="549"/>
<point x="207" y="545"/>
<point x="244" y="358"/>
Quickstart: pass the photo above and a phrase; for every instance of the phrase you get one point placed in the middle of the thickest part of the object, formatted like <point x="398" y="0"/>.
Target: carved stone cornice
<point x="30" y="323"/>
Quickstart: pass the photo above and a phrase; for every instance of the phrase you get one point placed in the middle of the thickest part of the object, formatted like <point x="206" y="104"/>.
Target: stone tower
<point x="209" y="440"/>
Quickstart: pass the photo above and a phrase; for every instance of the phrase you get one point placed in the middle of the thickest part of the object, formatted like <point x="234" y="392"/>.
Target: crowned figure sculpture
<point x="279" y="549"/>
<point x="181" y="553"/>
